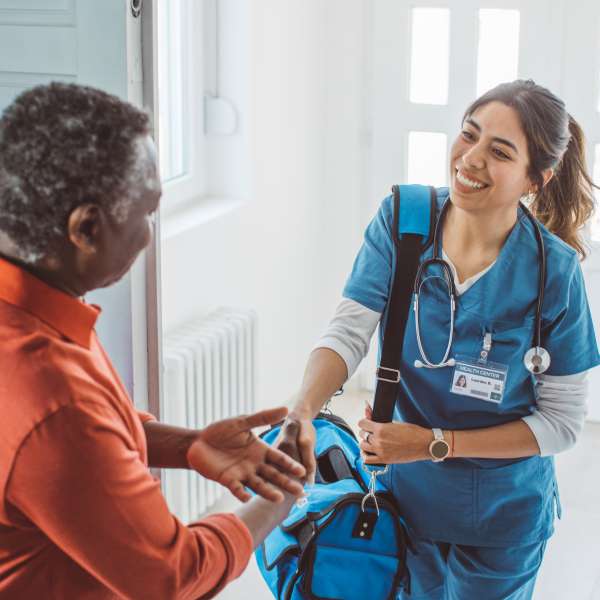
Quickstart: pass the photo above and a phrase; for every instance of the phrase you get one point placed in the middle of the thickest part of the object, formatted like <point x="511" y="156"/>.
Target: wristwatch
<point x="439" y="449"/>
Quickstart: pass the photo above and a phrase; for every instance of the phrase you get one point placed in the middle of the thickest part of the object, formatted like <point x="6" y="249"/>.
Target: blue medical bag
<point x="328" y="547"/>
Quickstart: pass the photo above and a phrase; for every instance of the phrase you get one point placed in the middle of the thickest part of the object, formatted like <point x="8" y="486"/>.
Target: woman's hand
<point x="229" y="453"/>
<point x="389" y="443"/>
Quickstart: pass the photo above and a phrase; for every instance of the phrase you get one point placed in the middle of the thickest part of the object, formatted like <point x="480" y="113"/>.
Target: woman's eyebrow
<point x="500" y="140"/>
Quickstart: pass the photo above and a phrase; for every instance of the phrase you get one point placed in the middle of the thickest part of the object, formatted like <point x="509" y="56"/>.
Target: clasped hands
<point x="382" y="443"/>
<point x="229" y="453"/>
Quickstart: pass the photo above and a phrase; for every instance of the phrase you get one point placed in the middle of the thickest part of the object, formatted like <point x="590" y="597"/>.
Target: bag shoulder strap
<point x="416" y="213"/>
<point x="412" y="231"/>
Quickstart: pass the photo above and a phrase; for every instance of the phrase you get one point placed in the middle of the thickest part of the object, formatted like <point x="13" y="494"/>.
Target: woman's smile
<point x="466" y="183"/>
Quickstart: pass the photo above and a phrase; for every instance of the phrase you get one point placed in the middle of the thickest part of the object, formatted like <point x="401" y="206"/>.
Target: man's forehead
<point x="144" y="169"/>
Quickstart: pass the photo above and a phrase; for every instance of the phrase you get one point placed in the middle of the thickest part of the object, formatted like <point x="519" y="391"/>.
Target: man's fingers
<point x="238" y="490"/>
<point x="307" y="457"/>
<point x="270" y="416"/>
<point x="278" y="479"/>
<point x="264" y="489"/>
<point x="281" y="456"/>
<point x="288" y="438"/>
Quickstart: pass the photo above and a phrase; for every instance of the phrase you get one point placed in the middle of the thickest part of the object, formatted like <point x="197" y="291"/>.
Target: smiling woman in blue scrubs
<point x="481" y="517"/>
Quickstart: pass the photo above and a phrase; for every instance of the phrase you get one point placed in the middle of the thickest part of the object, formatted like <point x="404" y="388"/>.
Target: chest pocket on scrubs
<point x="510" y="342"/>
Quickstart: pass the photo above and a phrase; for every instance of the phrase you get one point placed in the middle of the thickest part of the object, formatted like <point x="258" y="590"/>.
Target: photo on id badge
<point x="484" y="381"/>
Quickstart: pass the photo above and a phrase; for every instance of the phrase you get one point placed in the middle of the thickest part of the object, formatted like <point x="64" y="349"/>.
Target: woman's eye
<point x="500" y="154"/>
<point x="467" y="135"/>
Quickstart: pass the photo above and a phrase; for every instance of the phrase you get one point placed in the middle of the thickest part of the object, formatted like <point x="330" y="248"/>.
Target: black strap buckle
<point x="389" y="375"/>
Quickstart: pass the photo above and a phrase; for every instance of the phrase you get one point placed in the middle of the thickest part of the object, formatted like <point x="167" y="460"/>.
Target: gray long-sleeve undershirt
<point x="560" y="409"/>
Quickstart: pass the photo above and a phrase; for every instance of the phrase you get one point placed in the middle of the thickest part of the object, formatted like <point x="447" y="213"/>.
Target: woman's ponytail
<point x="566" y="202"/>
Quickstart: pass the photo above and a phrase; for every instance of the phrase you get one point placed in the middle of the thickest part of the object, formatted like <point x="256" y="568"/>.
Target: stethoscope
<point x="536" y="359"/>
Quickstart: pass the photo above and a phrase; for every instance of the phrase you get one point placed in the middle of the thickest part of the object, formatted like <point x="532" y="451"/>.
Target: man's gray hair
<point x="61" y="146"/>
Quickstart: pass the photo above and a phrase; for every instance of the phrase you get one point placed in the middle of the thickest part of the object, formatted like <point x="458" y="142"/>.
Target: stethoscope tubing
<point x="438" y="260"/>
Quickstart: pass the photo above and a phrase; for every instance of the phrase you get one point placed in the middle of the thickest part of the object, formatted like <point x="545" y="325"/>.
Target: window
<point x="427" y="153"/>
<point x="202" y="76"/>
<point x="430" y="49"/>
<point x="498" y="52"/>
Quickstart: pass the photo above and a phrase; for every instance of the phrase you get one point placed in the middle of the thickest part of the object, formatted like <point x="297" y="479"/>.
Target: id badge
<point x="484" y="381"/>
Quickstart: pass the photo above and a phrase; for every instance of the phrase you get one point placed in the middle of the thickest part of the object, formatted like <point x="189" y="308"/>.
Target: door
<point x="98" y="44"/>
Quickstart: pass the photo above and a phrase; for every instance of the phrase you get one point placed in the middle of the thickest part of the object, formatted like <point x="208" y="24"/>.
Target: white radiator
<point x="208" y="375"/>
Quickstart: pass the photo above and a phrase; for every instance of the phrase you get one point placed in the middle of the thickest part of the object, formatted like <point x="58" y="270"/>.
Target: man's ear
<point x="84" y="227"/>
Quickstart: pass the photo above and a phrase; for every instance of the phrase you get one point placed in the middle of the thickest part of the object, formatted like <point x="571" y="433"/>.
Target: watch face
<point x="439" y="449"/>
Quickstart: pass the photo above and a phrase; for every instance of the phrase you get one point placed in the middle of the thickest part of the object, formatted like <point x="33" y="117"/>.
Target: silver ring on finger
<point x="367" y="437"/>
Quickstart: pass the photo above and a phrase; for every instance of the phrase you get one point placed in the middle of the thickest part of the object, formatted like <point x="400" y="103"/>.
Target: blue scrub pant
<point x="442" y="571"/>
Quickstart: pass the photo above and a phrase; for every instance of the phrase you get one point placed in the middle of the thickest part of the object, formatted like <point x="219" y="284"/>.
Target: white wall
<point x="287" y="251"/>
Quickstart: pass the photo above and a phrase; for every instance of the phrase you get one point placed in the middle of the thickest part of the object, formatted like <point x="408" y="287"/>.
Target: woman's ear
<point x="547" y="175"/>
<point x="84" y="227"/>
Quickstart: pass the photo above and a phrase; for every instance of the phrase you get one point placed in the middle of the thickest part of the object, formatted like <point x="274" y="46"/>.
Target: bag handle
<point x="408" y="248"/>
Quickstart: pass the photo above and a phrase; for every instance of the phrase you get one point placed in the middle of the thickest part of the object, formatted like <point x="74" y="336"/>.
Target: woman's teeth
<point x="465" y="181"/>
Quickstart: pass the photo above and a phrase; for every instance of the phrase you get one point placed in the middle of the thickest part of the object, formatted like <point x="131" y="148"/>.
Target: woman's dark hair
<point x="62" y="145"/>
<point x="555" y="140"/>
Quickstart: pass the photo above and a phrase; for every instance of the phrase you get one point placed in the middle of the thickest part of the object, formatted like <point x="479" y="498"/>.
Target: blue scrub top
<point x="479" y="501"/>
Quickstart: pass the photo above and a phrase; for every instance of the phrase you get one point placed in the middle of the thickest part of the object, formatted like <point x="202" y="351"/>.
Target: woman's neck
<point x="473" y="241"/>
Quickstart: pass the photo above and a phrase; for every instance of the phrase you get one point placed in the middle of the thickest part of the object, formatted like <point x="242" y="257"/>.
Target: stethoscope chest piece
<point x="537" y="360"/>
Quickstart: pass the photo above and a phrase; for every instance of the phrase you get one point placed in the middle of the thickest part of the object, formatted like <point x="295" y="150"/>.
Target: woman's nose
<point x="474" y="158"/>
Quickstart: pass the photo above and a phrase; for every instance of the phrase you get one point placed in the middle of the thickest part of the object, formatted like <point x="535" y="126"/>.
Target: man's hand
<point x="299" y="430"/>
<point x="229" y="453"/>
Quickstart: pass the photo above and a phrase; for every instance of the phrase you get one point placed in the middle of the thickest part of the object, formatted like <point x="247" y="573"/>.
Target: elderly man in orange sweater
<point x="80" y="514"/>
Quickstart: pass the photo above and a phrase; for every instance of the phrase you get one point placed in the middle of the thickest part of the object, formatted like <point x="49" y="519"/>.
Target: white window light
<point x="430" y="55"/>
<point x="427" y="157"/>
<point x="220" y="116"/>
<point x="173" y="88"/>
<point x="498" y="52"/>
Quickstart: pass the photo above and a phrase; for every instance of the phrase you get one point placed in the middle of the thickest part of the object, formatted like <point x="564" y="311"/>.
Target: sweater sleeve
<point x="559" y="416"/>
<point x="349" y="332"/>
<point x="557" y="420"/>
<point x="79" y="477"/>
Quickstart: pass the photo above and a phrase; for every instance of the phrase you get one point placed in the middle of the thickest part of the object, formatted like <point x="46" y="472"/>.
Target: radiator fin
<point x="209" y="374"/>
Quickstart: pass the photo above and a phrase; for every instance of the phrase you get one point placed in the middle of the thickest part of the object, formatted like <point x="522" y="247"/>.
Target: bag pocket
<point x="340" y="573"/>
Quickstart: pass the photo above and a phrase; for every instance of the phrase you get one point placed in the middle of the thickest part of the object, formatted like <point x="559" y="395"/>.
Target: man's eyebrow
<point x="500" y="140"/>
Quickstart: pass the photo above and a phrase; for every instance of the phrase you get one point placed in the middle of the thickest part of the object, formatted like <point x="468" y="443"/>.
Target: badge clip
<point x="485" y="350"/>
